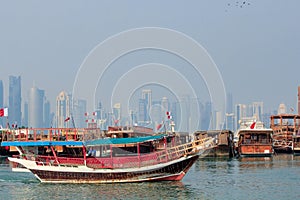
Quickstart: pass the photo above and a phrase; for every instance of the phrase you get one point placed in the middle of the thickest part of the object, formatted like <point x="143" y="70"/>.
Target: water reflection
<point x="155" y="190"/>
<point x="230" y="165"/>
<point x="248" y="163"/>
<point x="215" y="165"/>
<point x="247" y="178"/>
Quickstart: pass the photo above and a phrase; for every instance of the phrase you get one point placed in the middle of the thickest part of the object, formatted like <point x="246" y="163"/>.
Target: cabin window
<point x="263" y="139"/>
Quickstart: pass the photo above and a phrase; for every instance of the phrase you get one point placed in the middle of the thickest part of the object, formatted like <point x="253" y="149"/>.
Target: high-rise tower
<point x="165" y="104"/>
<point x="47" y="114"/>
<point x="63" y="110"/>
<point x="147" y="96"/>
<point x="14" y="110"/>
<point x="281" y="109"/>
<point x="298" y="100"/>
<point x="117" y="113"/>
<point x="36" y="108"/>
<point x="240" y="114"/>
<point x="1" y="100"/>
<point x="145" y="104"/>
<point x="257" y="110"/>
<point x="79" y="110"/>
<point x="1" y="94"/>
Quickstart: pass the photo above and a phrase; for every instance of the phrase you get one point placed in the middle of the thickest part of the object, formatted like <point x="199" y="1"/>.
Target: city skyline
<point x="147" y="111"/>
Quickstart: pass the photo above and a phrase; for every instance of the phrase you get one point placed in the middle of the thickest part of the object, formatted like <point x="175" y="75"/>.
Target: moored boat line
<point x="137" y="154"/>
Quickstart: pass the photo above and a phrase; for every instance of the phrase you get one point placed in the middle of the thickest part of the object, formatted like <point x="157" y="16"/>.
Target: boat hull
<point x="256" y="154"/>
<point x="255" y="151"/>
<point x="286" y="150"/>
<point x="296" y="151"/>
<point x="173" y="171"/>
<point x="221" y="151"/>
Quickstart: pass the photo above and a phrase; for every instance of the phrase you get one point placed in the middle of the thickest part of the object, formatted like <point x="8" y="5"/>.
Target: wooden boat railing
<point x="135" y="161"/>
<point x="51" y="134"/>
<point x="282" y="143"/>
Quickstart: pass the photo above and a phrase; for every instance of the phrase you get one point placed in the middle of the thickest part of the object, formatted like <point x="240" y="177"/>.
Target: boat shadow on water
<point x="144" y="190"/>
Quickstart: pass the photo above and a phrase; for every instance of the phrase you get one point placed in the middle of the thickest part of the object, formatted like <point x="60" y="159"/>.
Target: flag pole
<point x="7" y="124"/>
<point x="7" y="127"/>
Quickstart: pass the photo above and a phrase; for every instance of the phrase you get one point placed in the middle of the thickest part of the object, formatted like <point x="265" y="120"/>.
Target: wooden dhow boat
<point x="108" y="160"/>
<point x="254" y="141"/>
<point x="285" y="127"/>
<point x="221" y="142"/>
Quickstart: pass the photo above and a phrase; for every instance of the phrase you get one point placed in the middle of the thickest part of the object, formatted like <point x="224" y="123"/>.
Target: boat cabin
<point x="254" y="142"/>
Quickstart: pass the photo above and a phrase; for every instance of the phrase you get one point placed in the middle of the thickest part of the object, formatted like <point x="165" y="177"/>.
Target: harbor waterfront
<point x="274" y="177"/>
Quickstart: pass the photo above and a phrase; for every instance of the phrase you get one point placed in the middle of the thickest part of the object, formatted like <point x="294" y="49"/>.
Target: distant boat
<point x="254" y="140"/>
<point x="221" y="142"/>
<point x="285" y="126"/>
<point x="296" y="144"/>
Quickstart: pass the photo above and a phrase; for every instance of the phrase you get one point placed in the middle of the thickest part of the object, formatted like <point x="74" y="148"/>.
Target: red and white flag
<point x="253" y="125"/>
<point x="3" y="112"/>
<point x="158" y="126"/>
<point x="168" y="115"/>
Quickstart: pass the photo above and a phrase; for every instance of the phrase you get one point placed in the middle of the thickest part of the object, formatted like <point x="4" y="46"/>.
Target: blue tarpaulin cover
<point x="103" y="141"/>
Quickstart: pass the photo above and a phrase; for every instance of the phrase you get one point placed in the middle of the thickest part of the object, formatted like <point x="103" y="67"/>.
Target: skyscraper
<point x="79" y="110"/>
<point x="36" y="108"/>
<point x="47" y="114"/>
<point x="14" y="110"/>
<point x="25" y="115"/>
<point x="229" y="115"/>
<point x="1" y="101"/>
<point x="185" y="104"/>
<point x="147" y="96"/>
<point x="142" y="112"/>
<point x="229" y="102"/>
<point x="298" y="100"/>
<point x="145" y="104"/>
<point x="218" y="121"/>
<point x="157" y="113"/>
<point x="133" y="118"/>
<point x="206" y="117"/>
<point x="165" y="104"/>
<point x="240" y="114"/>
<point x="63" y="110"/>
<point x="258" y="110"/>
<point x="229" y="121"/>
<point x="1" y="94"/>
<point x="101" y="116"/>
<point x="117" y="113"/>
<point x="281" y="109"/>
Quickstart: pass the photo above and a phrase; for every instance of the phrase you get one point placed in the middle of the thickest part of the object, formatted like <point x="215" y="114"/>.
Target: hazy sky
<point x="255" y="45"/>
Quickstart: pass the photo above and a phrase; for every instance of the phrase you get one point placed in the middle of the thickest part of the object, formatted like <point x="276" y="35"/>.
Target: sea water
<point x="209" y="178"/>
